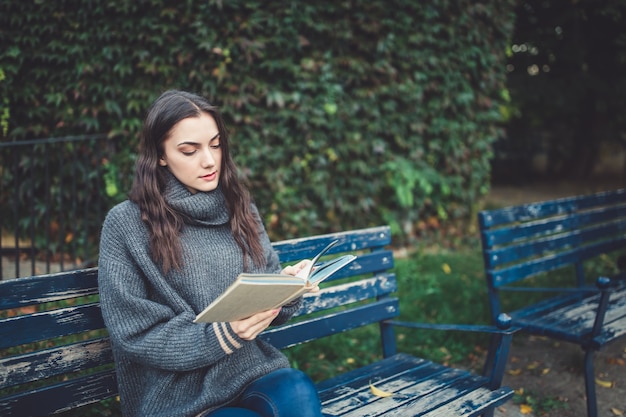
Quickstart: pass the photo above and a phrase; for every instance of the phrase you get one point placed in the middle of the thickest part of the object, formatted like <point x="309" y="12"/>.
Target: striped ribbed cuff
<point x="227" y="340"/>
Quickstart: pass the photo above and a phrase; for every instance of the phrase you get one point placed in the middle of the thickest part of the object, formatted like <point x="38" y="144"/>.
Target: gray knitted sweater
<point x="167" y="365"/>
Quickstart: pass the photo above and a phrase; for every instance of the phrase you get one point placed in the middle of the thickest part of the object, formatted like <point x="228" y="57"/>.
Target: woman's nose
<point x="207" y="158"/>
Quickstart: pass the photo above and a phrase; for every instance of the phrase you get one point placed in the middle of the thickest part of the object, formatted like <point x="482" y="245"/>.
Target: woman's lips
<point x="209" y="177"/>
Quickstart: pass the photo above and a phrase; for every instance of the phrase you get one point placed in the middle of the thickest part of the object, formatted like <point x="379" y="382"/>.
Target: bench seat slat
<point x="61" y="397"/>
<point x="41" y="289"/>
<point x="610" y="331"/>
<point x="37" y="365"/>
<point x="571" y="317"/>
<point x="466" y="406"/>
<point x="466" y="401"/>
<point x="396" y="364"/>
<point x="417" y="386"/>
<point x="50" y="324"/>
<point x="424" y="380"/>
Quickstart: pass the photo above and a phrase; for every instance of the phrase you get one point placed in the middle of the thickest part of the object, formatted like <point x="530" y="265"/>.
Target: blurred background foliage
<point x="566" y="117"/>
<point x="342" y="114"/>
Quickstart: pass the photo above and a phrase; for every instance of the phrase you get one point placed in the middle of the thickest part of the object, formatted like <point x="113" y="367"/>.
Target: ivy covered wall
<point x="343" y="114"/>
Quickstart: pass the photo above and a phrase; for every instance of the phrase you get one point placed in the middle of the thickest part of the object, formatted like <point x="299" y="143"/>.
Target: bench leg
<point x="496" y="360"/>
<point x="590" y="384"/>
<point x="489" y="413"/>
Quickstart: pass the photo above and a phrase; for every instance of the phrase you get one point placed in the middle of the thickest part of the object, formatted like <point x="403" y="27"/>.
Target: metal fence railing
<point x="52" y="203"/>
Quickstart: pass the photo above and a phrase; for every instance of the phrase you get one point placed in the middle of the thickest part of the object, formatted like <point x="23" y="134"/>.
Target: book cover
<point x="253" y="293"/>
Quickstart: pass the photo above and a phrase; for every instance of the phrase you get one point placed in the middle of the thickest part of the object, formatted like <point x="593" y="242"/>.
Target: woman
<point x="188" y="229"/>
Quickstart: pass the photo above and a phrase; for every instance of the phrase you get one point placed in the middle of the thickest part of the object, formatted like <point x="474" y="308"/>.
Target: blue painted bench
<point x="49" y="374"/>
<point x="530" y="240"/>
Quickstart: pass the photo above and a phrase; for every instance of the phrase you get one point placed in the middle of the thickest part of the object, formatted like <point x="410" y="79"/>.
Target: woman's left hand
<point x="295" y="269"/>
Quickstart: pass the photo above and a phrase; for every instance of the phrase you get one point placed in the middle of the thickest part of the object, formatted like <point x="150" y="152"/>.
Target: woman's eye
<point x="216" y="145"/>
<point x="188" y="152"/>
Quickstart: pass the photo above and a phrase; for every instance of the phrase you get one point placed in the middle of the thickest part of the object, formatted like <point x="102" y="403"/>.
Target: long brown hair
<point x="148" y="189"/>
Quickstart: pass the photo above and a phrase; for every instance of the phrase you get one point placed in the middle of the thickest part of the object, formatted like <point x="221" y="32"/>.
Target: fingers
<point x="294" y="269"/>
<point x="249" y="329"/>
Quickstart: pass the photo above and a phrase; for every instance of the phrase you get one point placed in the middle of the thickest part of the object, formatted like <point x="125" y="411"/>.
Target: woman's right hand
<point x="249" y="328"/>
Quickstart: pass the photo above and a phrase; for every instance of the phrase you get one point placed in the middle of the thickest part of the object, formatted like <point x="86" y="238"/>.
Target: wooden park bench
<point x="58" y="357"/>
<point x="528" y="241"/>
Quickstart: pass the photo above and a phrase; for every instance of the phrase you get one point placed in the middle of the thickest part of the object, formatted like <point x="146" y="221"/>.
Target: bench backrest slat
<point x="585" y="238"/>
<point x="47" y="288"/>
<point x="550" y="262"/>
<point x="33" y="366"/>
<point x="367" y="263"/>
<point x="364" y="239"/>
<point x="532" y="211"/>
<point x="519" y="231"/>
<point x="345" y="294"/>
<point x="523" y="241"/>
<point x="50" y="324"/>
<point x="305" y="331"/>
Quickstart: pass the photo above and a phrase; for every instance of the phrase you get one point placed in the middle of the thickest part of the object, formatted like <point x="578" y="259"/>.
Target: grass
<point x="439" y="286"/>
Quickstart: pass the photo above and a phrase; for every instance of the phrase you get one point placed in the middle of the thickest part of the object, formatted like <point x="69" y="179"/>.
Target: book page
<point x="306" y="272"/>
<point x="323" y="271"/>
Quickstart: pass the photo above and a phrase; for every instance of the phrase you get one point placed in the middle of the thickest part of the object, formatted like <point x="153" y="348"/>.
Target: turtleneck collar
<point x="202" y="208"/>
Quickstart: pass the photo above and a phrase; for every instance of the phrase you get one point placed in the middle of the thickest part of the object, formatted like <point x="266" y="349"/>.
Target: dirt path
<point x="552" y="378"/>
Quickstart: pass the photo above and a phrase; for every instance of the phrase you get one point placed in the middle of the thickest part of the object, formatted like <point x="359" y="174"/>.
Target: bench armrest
<point x="497" y="356"/>
<point x="503" y="326"/>
<point x="604" y="284"/>
<point x="588" y="289"/>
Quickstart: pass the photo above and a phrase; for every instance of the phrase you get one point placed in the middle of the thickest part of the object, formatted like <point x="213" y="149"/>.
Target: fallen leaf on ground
<point x="616" y="361"/>
<point x="378" y="392"/>
<point x="603" y="383"/>
<point x="545" y="371"/>
<point x="617" y="412"/>
<point x="514" y="372"/>
<point x="525" y="409"/>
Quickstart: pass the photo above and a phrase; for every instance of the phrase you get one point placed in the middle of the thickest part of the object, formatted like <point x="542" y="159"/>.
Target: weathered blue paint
<point x="362" y="294"/>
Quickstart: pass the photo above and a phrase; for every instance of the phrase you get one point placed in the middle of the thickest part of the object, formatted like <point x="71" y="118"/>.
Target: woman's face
<point x="193" y="154"/>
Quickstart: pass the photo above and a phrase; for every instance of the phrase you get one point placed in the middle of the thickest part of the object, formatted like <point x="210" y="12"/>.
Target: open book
<point x="253" y="293"/>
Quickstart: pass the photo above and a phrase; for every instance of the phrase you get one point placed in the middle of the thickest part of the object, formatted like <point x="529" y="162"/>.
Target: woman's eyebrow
<point x="189" y="142"/>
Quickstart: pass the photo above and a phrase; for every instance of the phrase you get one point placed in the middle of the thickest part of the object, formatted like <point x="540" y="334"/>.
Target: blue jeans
<point x="286" y="392"/>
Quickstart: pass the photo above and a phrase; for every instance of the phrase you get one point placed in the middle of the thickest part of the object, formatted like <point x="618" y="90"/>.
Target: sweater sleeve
<point x="158" y="335"/>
